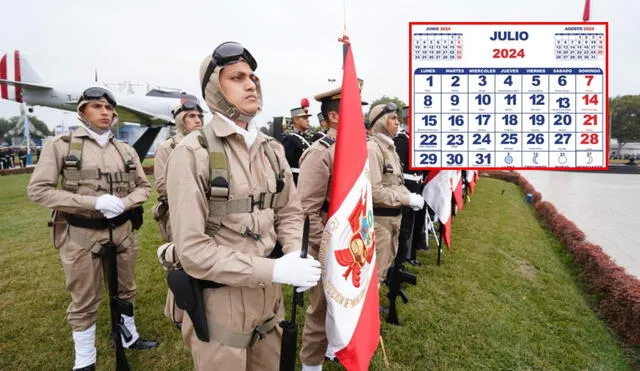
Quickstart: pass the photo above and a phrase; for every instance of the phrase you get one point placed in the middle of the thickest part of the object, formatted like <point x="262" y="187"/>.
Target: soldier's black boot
<point x="91" y="367"/>
<point x="142" y="344"/>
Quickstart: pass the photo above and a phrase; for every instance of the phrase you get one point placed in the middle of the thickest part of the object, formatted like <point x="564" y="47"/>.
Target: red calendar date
<point x="508" y="53"/>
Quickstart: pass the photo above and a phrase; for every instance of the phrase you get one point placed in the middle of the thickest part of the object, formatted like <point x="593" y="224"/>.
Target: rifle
<point x="117" y="306"/>
<point x="289" y="343"/>
<point x="396" y="277"/>
<point x="440" y="242"/>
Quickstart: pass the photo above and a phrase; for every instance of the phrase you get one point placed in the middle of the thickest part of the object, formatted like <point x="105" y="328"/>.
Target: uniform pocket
<point x="59" y="229"/>
<point x="128" y="243"/>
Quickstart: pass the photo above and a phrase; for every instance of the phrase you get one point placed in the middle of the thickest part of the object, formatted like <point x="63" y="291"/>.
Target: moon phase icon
<point x="562" y="159"/>
<point x="508" y="159"/>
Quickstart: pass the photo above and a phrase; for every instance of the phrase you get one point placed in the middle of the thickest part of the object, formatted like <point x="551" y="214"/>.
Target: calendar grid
<point x="548" y="123"/>
<point x="441" y="118"/>
<point x="575" y="127"/>
<point x="551" y="117"/>
<point x="538" y="101"/>
<point x="468" y="118"/>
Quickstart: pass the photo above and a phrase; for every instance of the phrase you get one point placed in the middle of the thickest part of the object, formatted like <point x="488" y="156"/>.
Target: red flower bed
<point x="617" y="292"/>
<point x="16" y="171"/>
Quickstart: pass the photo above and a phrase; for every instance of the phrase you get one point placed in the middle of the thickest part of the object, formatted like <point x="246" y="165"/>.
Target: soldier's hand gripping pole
<point x="117" y="306"/>
<point x="290" y="328"/>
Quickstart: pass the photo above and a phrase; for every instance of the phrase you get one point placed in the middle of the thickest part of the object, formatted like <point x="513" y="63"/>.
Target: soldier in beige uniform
<point x="387" y="183"/>
<point x="231" y="197"/>
<point x="81" y="208"/>
<point x="188" y="117"/>
<point x="316" y="165"/>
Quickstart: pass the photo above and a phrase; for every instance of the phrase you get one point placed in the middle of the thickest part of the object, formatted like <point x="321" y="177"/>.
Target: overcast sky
<point x="295" y="42"/>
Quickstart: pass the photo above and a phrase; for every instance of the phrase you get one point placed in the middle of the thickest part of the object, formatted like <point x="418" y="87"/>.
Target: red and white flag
<point x="456" y="185"/>
<point x="438" y="192"/>
<point x="471" y="180"/>
<point x="347" y="252"/>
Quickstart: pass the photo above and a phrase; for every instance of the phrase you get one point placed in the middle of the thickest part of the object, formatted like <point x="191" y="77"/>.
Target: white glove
<point x="416" y="201"/>
<point x="303" y="288"/>
<point x="291" y="269"/>
<point x="109" y="214"/>
<point x="109" y="205"/>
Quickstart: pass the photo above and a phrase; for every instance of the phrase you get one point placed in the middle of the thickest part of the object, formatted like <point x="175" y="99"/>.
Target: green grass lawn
<point x="506" y="297"/>
<point x="148" y="161"/>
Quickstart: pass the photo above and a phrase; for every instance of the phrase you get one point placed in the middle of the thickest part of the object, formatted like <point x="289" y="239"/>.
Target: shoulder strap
<point x="385" y="155"/>
<point x="301" y="138"/>
<point x="74" y="151"/>
<point x="218" y="193"/>
<point x="327" y="141"/>
<point x="173" y="142"/>
<point x="275" y="165"/>
<point x="129" y="173"/>
<point x="72" y="163"/>
<point x="124" y="154"/>
<point x="218" y="163"/>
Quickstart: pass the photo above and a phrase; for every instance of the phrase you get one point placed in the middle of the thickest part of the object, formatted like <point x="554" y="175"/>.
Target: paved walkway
<point x="606" y="207"/>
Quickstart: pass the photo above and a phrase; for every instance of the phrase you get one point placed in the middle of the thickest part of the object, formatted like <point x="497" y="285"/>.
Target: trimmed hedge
<point x="617" y="292"/>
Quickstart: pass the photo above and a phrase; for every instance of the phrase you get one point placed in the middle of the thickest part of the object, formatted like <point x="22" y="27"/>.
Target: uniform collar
<point x="332" y="133"/>
<point x="224" y="127"/>
<point x="385" y="139"/>
<point x="101" y="139"/>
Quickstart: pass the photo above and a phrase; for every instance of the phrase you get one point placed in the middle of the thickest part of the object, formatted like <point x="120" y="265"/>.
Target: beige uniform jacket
<point x="314" y="187"/>
<point x="161" y="160"/>
<point x="388" y="188"/>
<point x="229" y="257"/>
<point x="42" y="187"/>
<point x="316" y="165"/>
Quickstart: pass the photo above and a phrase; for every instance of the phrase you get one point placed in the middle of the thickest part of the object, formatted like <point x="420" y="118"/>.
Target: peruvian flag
<point x="437" y="192"/>
<point x="348" y="253"/>
<point x="456" y="185"/>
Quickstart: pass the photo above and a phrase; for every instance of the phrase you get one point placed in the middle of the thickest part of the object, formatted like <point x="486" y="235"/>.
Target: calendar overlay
<point x="509" y="96"/>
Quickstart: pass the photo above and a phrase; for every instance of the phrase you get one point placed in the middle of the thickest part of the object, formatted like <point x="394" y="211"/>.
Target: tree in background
<point x="384" y="100"/>
<point x="5" y="126"/>
<point x="624" y="114"/>
<point x="12" y="127"/>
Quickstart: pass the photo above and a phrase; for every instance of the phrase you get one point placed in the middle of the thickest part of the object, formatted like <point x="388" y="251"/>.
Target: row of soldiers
<point x="230" y="207"/>
<point x="299" y="140"/>
<point x="8" y="157"/>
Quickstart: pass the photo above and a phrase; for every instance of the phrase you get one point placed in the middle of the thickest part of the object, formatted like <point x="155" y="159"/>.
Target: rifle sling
<point x="386" y="211"/>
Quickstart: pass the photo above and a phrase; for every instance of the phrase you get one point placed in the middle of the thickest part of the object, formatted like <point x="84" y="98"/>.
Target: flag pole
<point x="384" y="353"/>
<point x="586" y="14"/>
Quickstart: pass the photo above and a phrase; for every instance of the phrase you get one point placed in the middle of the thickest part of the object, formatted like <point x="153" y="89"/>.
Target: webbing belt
<point x="241" y="339"/>
<point x="412" y="177"/>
